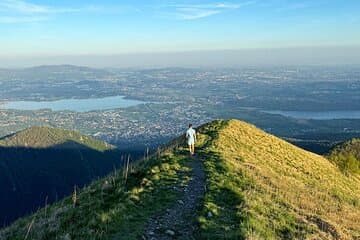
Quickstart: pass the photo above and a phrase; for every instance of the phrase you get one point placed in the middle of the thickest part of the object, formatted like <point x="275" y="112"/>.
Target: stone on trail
<point x="170" y="232"/>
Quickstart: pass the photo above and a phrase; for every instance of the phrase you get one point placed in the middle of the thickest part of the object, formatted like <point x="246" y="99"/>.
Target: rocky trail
<point x="178" y="222"/>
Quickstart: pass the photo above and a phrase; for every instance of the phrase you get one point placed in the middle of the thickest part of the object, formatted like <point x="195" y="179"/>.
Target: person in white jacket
<point x="191" y="138"/>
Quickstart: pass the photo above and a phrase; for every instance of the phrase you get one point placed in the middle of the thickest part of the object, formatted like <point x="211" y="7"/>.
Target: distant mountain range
<point x="42" y="164"/>
<point x="257" y="186"/>
<point x="52" y="72"/>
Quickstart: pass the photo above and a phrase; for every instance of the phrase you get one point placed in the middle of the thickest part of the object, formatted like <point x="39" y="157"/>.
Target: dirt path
<point x="178" y="222"/>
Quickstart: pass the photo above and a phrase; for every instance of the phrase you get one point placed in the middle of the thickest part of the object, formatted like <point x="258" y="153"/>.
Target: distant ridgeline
<point x="41" y="164"/>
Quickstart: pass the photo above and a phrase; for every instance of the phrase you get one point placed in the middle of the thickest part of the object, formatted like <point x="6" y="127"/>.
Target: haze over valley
<point x="182" y="119"/>
<point x="160" y="102"/>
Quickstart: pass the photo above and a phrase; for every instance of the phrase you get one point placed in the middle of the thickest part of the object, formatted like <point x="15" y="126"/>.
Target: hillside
<point x="42" y="164"/>
<point x="255" y="186"/>
<point x="46" y="137"/>
<point x="347" y="156"/>
<point x="282" y="191"/>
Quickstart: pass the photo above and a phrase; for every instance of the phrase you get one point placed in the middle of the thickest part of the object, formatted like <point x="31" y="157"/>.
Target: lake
<point x="77" y="105"/>
<point x="325" y="115"/>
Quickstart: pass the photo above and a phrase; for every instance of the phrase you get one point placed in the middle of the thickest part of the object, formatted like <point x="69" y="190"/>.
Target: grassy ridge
<point x="258" y="187"/>
<point x="221" y="216"/>
<point x="44" y="137"/>
<point x="263" y="187"/>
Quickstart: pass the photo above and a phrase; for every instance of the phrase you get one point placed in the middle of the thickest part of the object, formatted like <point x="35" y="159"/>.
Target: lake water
<point x="78" y="105"/>
<point x="326" y="115"/>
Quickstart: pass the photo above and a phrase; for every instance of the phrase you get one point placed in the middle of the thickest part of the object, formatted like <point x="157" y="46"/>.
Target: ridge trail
<point x="178" y="222"/>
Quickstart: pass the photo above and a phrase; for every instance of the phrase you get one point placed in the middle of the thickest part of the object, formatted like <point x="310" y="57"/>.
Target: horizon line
<point x="324" y="55"/>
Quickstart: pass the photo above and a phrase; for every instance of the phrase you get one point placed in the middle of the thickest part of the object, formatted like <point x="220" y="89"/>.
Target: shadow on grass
<point x="222" y="215"/>
<point x="33" y="177"/>
<point x="110" y="208"/>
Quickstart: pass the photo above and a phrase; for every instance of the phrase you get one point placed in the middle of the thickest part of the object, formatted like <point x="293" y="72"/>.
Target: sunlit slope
<point x="48" y="137"/>
<point x="269" y="189"/>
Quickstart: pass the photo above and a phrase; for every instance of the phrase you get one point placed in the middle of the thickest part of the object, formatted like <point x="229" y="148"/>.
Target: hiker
<point x="191" y="137"/>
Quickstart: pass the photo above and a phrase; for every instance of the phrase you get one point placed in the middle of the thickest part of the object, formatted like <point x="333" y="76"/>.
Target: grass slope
<point x="258" y="187"/>
<point x="44" y="137"/>
<point x="261" y="187"/>
<point x="114" y="207"/>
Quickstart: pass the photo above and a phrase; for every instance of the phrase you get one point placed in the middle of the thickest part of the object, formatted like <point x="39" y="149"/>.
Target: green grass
<point x="112" y="210"/>
<point x="347" y="156"/>
<point x="261" y="187"/>
<point x="43" y="137"/>
<point x="257" y="187"/>
<point x="225" y="214"/>
<point x="221" y="216"/>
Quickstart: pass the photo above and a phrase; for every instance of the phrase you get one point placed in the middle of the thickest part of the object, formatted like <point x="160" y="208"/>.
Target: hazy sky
<point x="36" y="31"/>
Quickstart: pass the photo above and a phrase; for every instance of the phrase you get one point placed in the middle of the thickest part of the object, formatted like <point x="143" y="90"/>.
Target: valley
<point x="174" y="97"/>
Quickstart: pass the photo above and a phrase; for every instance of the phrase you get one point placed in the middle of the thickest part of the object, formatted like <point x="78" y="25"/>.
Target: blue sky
<point x="49" y="28"/>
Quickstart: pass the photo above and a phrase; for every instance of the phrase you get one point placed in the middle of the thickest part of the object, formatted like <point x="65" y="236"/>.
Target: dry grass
<point x="290" y="183"/>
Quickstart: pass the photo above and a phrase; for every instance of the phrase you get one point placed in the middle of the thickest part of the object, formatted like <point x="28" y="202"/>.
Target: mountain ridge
<point x="289" y="192"/>
<point x="47" y="136"/>
<point x="257" y="187"/>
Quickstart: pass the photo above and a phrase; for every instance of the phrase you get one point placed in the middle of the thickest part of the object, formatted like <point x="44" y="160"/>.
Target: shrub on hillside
<point x="347" y="163"/>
